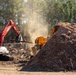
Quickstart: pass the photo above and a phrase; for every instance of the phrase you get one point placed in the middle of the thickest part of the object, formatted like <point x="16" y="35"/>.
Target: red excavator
<point x="7" y="28"/>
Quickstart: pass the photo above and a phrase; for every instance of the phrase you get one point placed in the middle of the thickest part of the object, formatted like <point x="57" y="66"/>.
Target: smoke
<point x="37" y="26"/>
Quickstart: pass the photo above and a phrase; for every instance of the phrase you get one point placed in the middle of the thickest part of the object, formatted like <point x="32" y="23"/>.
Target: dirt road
<point x="14" y="72"/>
<point x="13" y="69"/>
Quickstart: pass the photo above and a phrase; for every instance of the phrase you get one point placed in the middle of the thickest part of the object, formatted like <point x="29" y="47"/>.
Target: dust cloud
<point x="37" y="26"/>
<point x="36" y="23"/>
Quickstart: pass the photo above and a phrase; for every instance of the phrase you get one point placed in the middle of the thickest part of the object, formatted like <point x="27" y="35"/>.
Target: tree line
<point x="54" y="11"/>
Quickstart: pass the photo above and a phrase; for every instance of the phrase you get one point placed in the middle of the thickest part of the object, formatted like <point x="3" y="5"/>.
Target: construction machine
<point x="7" y="28"/>
<point x="40" y="41"/>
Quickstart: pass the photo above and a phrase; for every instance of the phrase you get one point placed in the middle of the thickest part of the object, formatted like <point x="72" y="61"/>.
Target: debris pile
<point x="19" y="51"/>
<point x="58" y="54"/>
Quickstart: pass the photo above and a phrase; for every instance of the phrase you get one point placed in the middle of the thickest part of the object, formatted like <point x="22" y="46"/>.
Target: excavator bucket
<point x="20" y="38"/>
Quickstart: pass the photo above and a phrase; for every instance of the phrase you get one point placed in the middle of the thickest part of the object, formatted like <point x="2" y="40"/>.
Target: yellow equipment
<point x="40" y="41"/>
<point x="53" y="30"/>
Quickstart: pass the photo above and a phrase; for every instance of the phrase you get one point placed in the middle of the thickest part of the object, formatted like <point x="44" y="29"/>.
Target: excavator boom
<point x="6" y="30"/>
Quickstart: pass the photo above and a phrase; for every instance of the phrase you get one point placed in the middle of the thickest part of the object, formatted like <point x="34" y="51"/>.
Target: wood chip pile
<point x="58" y="54"/>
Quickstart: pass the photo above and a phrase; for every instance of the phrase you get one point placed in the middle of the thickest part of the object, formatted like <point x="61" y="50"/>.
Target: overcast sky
<point x="25" y="0"/>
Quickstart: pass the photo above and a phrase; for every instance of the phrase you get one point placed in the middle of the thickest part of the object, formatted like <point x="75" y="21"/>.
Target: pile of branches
<point x="19" y="51"/>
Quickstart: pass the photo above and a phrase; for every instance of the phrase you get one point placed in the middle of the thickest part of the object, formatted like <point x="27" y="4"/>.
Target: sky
<point x="25" y="0"/>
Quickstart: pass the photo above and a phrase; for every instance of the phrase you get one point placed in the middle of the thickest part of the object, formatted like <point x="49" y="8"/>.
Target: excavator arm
<point x="6" y="30"/>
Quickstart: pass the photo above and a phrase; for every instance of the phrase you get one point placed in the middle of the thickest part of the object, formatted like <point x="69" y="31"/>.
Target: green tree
<point x="12" y="9"/>
<point x="67" y="10"/>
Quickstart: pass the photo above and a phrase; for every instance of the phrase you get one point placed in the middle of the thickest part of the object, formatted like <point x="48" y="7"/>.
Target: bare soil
<point x="14" y="67"/>
<point x="52" y="49"/>
<point x="8" y="68"/>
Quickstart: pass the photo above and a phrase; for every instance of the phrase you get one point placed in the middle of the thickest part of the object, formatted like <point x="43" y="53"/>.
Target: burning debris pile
<point x="58" y="54"/>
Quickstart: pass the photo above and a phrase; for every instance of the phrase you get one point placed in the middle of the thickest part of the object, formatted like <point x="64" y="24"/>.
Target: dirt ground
<point x="7" y="68"/>
<point x="21" y="55"/>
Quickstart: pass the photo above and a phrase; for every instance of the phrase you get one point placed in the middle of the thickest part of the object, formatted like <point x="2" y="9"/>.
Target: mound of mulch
<point x="58" y="54"/>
